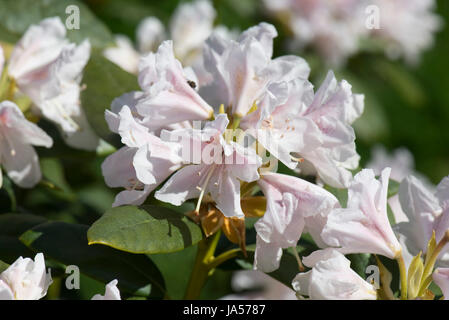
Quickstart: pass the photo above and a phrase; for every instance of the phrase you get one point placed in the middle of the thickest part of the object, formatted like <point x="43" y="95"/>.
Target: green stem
<point x="206" y="249"/>
<point x="298" y="259"/>
<point x="428" y="268"/>
<point x="205" y="262"/>
<point x="403" y="274"/>
<point x="224" y="257"/>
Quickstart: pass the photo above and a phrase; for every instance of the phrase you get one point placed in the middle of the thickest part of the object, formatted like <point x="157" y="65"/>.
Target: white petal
<point x="111" y="292"/>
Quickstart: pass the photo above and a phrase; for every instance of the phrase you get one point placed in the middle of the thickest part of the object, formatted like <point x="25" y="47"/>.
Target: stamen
<point x="204" y="187"/>
<point x="297" y="159"/>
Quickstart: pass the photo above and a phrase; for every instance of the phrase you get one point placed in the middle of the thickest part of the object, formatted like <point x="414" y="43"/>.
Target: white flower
<point x="402" y="163"/>
<point x="25" y="279"/>
<point x="427" y="210"/>
<point x="17" y="138"/>
<point x="190" y="26"/>
<point x="111" y="292"/>
<point x="332" y="278"/>
<point x="143" y="163"/>
<point x="220" y="169"/>
<point x="150" y="34"/>
<point x="243" y="69"/>
<point x="291" y="118"/>
<point x="48" y="69"/>
<point x="290" y="203"/>
<point x="332" y="27"/>
<point x="168" y="98"/>
<point x="123" y="54"/>
<point x="363" y="226"/>
<point x="407" y="27"/>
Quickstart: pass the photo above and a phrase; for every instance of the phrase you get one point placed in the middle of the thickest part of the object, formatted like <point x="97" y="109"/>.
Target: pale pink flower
<point x="332" y="27"/>
<point x="292" y="119"/>
<point x="363" y="226"/>
<point x="25" y="279"/>
<point x="142" y="164"/>
<point x="111" y="292"/>
<point x="407" y="27"/>
<point x="242" y="69"/>
<point x="169" y="97"/>
<point x="290" y="203"/>
<point x="218" y="171"/>
<point x="17" y="138"/>
<point x="332" y="278"/>
<point x="48" y="69"/>
<point x="427" y="210"/>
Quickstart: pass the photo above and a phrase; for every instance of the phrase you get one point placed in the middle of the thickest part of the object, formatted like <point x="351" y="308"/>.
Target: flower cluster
<point x="336" y="29"/>
<point x="223" y="127"/>
<point x="266" y="104"/>
<point x="43" y="69"/>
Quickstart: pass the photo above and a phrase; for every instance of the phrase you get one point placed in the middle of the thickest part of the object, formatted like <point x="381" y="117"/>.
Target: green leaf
<point x="359" y="262"/>
<point x="340" y="194"/>
<point x="17" y="15"/>
<point x="12" y="225"/>
<point x="3" y="266"/>
<point x="9" y="189"/>
<point x="104" y="82"/>
<point x="147" y="229"/>
<point x="393" y="188"/>
<point x="67" y="243"/>
<point x="176" y="280"/>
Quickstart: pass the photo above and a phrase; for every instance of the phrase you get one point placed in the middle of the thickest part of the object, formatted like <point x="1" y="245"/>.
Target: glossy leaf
<point x="17" y="15"/>
<point x="104" y="82"/>
<point x="67" y="243"/>
<point x="12" y="225"/>
<point x="147" y="229"/>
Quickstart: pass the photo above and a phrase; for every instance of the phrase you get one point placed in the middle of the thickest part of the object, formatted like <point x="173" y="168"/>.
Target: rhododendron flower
<point x="17" y="138"/>
<point x="48" y="69"/>
<point x="441" y="277"/>
<point x="189" y="27"/>
<point x="290" y="202"/>
<point x="332" y="278"/>
<point x="406" y="26"/>
<point x="168" y="97"/>
<point x="427" y="211"/>
<point x="221" y="167"/>
<point x="111" y="292"/>
<point x="332" y="27"/>
<point x="123" y="54"/>
<point x="142" y="164"/>
<point x="402" y="164"/>
<point x="317" y="127"/>
<point x="363" y="226"/>
<point x="25" y="279"/>
<point x="241" y="70"/>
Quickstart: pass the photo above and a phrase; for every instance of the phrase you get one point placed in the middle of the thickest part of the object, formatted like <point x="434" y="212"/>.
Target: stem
<point x="224" y="257"/>
<point x="403" y="274"/>
<point x="428" y="268"/>
<point x="205" y="262"/>
<point x="206" y="249"/>
<point x="298" y="259"/>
